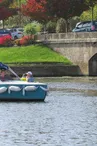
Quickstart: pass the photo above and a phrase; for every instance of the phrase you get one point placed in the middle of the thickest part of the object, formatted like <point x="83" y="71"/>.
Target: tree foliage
<point x="5" y="9"/>
<point x="91" y="2"/>
<point x="5" y="2"/>
<point x="61" y="25"/>
<point x="87" y="15"/>
<point x="14" y="21"/>
<point x="51" y="26"/>
<point x="45" y="9"/>
<point x="35" y="9"/>
<point x="32" y="28"/>
<point x="66" y="8"/>
<point x="6" y="13"/>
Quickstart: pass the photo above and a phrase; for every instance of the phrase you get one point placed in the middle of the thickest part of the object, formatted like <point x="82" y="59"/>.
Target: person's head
<point x="29" y="74"/>
<point x="3" y="73"/>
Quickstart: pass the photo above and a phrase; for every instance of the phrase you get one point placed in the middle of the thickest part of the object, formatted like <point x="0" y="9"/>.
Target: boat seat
<point x="13" y="88"/>
<point x="29" y="88"/>
<point x="3" y="89"/>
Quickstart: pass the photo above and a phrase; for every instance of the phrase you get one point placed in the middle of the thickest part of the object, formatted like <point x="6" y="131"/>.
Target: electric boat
<point x="21" y="90"/>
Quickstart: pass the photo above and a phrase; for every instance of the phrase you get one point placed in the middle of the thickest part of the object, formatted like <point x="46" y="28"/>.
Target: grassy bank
<point x="33" y="53"/>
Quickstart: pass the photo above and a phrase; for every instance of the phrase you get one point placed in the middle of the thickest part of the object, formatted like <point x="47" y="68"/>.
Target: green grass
<point x="33" y="53"/>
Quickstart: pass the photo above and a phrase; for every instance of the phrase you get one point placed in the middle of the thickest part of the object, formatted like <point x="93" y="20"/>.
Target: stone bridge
<point x="80" y="48"/>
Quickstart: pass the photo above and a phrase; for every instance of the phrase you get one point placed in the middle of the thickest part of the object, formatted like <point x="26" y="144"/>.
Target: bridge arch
<point x="93" y="65"/>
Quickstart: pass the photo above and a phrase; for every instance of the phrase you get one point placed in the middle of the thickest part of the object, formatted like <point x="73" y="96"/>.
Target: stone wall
<point x="48" y="70"/>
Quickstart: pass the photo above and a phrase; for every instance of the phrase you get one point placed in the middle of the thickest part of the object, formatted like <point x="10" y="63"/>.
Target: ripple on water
<point x="68" y="117"/>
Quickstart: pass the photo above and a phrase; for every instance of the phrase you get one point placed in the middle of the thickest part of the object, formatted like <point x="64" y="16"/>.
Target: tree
<point x="14" y="21"/>
<point x="5" y="10"/>
<point x="55" y="8"/>
<point x="42" y="10"/>
<point x="6" y="2"/>
<point x="91" y="4"/>
<point x="36" y="10"/>
<point x="61" y="26"/>
<point x="65" y="8"/>
<point x="87" y="15"/>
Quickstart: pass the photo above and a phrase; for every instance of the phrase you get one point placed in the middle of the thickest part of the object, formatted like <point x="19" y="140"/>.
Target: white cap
<point x="29" y="72"/>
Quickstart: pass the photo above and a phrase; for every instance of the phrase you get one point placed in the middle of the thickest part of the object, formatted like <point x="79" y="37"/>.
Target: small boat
<point x="21" y="90"/>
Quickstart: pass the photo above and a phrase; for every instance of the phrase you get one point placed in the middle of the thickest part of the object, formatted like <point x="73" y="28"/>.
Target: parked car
<point x="86" y="26"/>
<point x="16" y="33"/>
<point x="4" y="32"/>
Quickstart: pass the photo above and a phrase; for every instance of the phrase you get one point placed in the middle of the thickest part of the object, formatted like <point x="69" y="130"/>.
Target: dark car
<point x="4" y="32"/>
<point x="86" y="26"/>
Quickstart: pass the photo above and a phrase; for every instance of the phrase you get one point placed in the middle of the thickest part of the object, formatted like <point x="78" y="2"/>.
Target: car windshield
<point x="79" y="25"/>
<point x="20" y="29"/>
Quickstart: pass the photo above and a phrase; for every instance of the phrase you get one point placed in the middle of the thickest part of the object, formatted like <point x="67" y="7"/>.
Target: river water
<point x="68" y="117"/>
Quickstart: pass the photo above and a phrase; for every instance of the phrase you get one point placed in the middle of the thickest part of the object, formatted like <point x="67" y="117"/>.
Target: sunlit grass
<point x="33" y="53"/>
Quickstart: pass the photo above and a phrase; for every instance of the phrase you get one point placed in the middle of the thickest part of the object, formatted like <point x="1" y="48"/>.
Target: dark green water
<point x="68" y="117"/>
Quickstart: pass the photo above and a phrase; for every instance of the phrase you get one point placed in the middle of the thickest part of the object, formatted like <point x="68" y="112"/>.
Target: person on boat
<point x="4" y="75"/>
<point x="29" y="77"/>
<point x="23" y="78"/>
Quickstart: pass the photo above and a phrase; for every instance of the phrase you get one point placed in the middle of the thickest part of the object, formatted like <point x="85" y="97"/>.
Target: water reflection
<point x="68" y="117"/>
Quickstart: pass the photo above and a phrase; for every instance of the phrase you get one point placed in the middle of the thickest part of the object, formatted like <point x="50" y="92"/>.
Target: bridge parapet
<point x="71" y="35"/>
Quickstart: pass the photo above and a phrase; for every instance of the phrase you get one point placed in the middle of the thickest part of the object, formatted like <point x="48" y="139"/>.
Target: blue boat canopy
<point x="3" y="66"/>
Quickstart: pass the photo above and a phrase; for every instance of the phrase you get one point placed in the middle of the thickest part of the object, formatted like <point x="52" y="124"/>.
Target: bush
<point x="61" y="26"/>
<point x="6" y="41"/>
<point x="32" y="28"/>
<point x="51" y="27"/>
<point x="24" y="41"/>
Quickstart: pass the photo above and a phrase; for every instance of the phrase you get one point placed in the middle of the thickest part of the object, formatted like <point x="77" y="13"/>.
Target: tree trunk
<point x="3" y="23"/>
<point x="45" y="35"/>
<point x="20" y="13"/>
<point x="92" y="13"/>
<point x="66" y="26"/>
